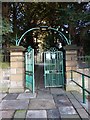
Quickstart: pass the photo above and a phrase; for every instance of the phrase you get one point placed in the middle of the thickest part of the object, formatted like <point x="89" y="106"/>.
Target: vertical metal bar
<point x="59" y="67"/>
<point x="33" y="87"/>
<point x="44" y="70"/>
<point x="83" y="89"/>
<point x="29" y="69"/>
<point x="71" y="75"/>
<point x="62" y="69"/>
<point x="55" y="78"/>
<point x="49" y="68"/>
<point x="25" y="68"/>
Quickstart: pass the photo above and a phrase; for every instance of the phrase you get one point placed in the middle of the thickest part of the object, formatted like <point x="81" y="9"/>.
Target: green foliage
<point x="48" y="42"/>
<point x="5" y="26"/>
<point x="3" y="65"/>
<point x="26" y="15"/>
<point x="86" y="43"/>
<point x="7" y="37"/>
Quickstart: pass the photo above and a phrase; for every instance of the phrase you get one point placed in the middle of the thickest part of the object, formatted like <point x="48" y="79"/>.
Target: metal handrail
<point x="83" y="83"/>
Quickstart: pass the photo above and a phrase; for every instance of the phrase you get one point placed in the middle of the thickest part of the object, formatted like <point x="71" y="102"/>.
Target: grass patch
<point x="4" y="65"/>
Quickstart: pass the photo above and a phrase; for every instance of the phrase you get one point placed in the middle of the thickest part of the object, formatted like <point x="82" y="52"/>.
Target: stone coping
<point x="71" y="47"/>
<point x="16" y="48"/>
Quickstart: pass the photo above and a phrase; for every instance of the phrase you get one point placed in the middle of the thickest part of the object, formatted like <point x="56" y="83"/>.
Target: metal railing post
<point x="83" y="89"/>
<point x="71" y="75"/>
<point x="83" y="83"/>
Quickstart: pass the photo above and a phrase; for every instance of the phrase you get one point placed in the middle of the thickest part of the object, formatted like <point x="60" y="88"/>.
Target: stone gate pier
<point x="71" y="64"/>
<point x="17" y="77"/>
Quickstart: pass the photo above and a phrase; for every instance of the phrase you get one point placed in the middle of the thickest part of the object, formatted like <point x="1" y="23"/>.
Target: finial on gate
<point x="29" y="48"/>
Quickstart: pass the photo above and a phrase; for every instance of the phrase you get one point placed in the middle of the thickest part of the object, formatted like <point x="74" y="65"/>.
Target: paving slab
<point x="70" y="117"/>
<point x="11" y="96"/>
<point x="43" y="89"/>
<point x="20" y="114"/>
<point x="67" y="110"/>
<point x="14" y="104"/>
<point x="44" y="95"/>
<point x="83" y="113"/>
<point x="75" y="103"/>
<point x="41" y="104"/>
<point x="60" y="96"/>
<point x="0" y="115"/>
<point x="7" y="114"/>
<point x="69" y="95"/>
<point x="61" y="100"/>
<point x="89" y="110"/>
<point x="86" y="105"/>
<point x="26" y="96"/>
<point x="57" y="91"/>
<point x="37" y="114"/>
<point x="2" y="95"/>
<point x="78" y="104"/>
<point x="54" y="113"/>
<point x="77" y="95"/>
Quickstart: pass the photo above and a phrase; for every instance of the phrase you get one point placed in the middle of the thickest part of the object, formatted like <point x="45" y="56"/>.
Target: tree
<point x="24" y="16"/>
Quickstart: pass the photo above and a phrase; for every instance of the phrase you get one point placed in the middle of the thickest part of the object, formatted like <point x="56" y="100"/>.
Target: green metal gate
<point x="29" y="63"/>
<point x="53" y="68"/>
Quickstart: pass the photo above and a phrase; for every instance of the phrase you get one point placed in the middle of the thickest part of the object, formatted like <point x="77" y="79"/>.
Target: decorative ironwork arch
<point x="44" y="28"/>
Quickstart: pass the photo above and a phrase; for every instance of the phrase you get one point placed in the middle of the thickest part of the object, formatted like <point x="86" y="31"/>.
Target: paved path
<point x="39" y="76"/>
<point x="53" y="103"/>
<point x="46" y="103"/>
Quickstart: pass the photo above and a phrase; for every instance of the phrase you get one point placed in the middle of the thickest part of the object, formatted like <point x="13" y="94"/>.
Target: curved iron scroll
<point x="44" y="28"/>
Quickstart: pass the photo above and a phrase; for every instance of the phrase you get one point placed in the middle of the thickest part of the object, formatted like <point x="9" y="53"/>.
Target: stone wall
<point x="73" y="64"/>
<point x="13" y="79"/>
<point x="4" y="80"/>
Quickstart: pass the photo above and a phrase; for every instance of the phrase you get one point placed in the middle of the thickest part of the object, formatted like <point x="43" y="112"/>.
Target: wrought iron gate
<point x="53" y="68"/>
<point x="29" y="63"/>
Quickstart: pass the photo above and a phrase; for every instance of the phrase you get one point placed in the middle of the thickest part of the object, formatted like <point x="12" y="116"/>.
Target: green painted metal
<point x="53" y="68"/>
<point x="19" y="40"/>
<point x="71" y="75"/>
<point x="29" y="63"/>
<point x="46" y="28"/>
<point x="16" y="40"/>
<point x="55" y="76"/>
<point x="83" y="83"/>
<point x="62" y="35"/>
